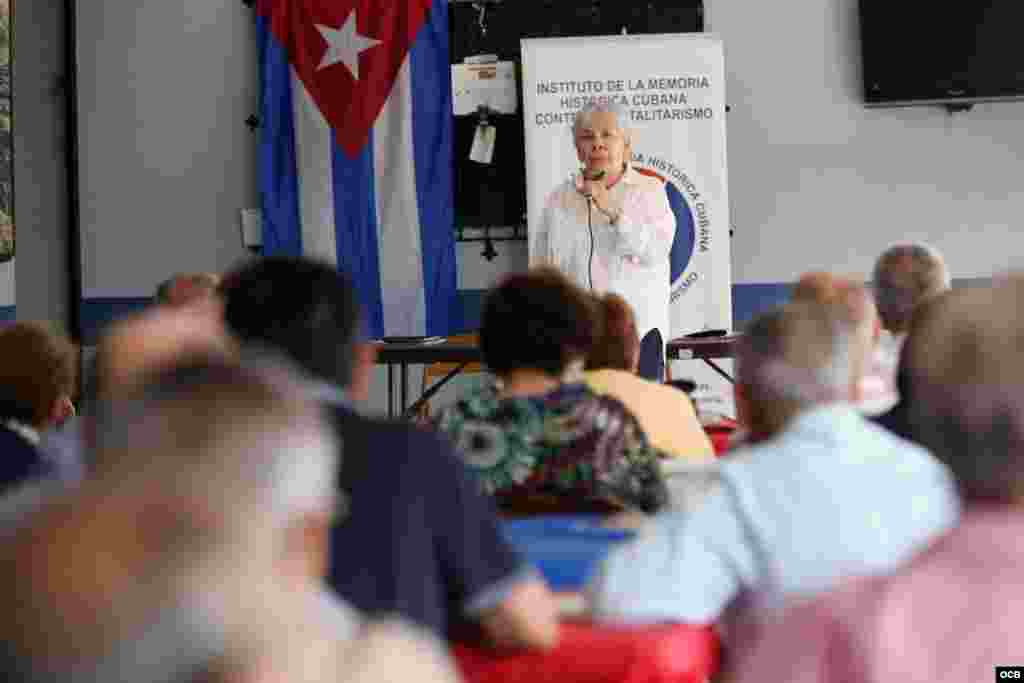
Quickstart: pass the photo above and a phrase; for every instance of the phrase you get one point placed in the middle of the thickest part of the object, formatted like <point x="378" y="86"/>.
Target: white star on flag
<point x="345" y="45"/>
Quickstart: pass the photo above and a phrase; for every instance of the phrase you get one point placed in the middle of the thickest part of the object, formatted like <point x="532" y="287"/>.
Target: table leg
<point x="405" y="387"/>
<point x="391" y="390"/>
<point x="429" y="393"/>
<point x="719" y="370"/>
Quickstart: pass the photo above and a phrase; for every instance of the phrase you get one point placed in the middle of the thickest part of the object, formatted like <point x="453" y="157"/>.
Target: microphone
<point x="590" y="224"/>
<point x="592" y="177"/>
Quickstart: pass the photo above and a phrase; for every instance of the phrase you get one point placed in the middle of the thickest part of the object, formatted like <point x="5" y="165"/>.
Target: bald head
<point x="964" y="365"/>
<point x="791" y="359"/>
<point x="186" y="289"/>
<point x="851" y="303"/>
<point x="214" y="428"/>
<point x="136" y="346"/>
<point x="852" y="299"/>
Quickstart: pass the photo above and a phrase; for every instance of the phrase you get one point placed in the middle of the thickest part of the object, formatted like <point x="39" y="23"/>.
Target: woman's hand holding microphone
<point x="595" y="191"/>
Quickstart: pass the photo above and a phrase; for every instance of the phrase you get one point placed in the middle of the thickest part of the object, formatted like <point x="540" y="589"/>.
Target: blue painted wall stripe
<point x="748" y="300"/>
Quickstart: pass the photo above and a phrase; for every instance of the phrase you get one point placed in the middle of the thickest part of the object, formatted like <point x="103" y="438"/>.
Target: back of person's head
<point x="617" y="345"/>
<point x="37" y="374"/>
<point x="138" y="345"/>
<point x="906" y="275"/>
<point x="183" y="289"/>
<point x="853" y="305"/>
<point x="965" y="369"/>
<point x="173" y="550"/>
<point x="789" y="360"/>
<point x="241" y="439"/>
<point x="304" y="309"/>
<point x="851" y="299"/>
<point x="536" y="320"/>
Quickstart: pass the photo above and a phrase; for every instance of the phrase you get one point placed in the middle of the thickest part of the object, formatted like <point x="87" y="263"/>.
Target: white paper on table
<point x="484" y="85"/>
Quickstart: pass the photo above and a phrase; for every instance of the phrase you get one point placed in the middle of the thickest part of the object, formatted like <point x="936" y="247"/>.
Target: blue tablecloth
<point x="564" y="549"/>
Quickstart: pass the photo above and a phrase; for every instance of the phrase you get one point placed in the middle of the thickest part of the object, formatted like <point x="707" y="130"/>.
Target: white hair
<point x="825" y="373"/>
<point x="244" y="441"/>
<point x="295" y="473"/>
<point x="604" y="106"/>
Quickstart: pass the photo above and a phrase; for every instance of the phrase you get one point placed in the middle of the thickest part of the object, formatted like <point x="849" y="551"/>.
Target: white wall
<point x="166" y="160"/>
<point x="40" y="192"/>
<point x="819" y="181"/>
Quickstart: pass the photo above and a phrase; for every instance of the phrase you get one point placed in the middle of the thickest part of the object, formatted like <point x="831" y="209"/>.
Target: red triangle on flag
<point x="348" y="54"/>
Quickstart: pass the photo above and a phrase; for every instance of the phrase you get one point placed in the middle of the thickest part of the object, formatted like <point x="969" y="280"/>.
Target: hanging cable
<point x="590" y="227"/>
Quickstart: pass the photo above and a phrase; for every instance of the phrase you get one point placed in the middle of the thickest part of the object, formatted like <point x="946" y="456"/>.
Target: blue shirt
<point x="831" y="497"/>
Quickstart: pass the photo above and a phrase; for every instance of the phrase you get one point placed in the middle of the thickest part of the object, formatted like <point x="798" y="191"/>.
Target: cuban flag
<point x="355" y="151"/>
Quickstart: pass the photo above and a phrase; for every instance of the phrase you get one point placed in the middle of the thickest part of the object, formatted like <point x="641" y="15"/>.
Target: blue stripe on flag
<point x="355" y="217"/>
<point x="278" y="177"/>
<point x="432" y="152"/>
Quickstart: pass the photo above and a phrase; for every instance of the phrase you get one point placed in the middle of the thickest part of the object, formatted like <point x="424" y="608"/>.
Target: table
<point x="404" y="355"/>
<point x="593" y="653"/>
<point x="705" y="349"/>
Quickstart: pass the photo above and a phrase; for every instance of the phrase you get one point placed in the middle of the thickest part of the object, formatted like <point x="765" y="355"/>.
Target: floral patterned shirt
<point x="570" y="440"/>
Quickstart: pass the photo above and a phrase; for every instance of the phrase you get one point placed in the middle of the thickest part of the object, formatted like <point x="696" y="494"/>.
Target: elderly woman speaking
<point x="610" y="228"/>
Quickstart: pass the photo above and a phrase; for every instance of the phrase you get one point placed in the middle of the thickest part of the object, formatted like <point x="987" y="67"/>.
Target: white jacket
<point x="630" y="258"/>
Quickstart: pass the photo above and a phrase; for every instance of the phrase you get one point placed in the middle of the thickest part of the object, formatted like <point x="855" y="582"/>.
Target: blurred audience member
<point x="37" y="381"/>
<point x="821" y="494"/>
<point x="664" y="412"/>
<point x="418" y="539"/>
<point x="143" y="343"/>
<point x="127" y="351"/>
<point x="906" y="276"/>
<point x="540" y="428"/>
<point x="184" y="289"/>
<point x="197" y="547"/>
<point x="897" y="419"/>
<point x="852" y="301"/>
<point x="950" y="615"/>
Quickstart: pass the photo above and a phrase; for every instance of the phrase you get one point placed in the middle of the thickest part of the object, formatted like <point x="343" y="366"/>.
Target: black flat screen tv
<point x="918" y="52"/>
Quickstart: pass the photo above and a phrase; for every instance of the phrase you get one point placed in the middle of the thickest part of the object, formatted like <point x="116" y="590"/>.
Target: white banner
<point x="674" y="88"/>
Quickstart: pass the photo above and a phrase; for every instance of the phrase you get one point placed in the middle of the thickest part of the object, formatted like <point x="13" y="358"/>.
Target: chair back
<point x="652" y="357"/>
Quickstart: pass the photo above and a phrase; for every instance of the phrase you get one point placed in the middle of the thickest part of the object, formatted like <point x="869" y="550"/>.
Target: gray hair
<point x="904" y="276"/>
<point x="227" y="434"/>
<point x="792" y="358"/>
<point x="604" y="105"/>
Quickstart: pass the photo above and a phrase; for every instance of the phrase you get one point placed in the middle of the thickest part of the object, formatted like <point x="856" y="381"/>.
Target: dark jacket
<point x="20" y="461"/>
<point x="415" y="536"/>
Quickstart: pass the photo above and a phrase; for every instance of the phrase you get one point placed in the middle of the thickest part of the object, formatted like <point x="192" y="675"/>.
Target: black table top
<point x="417" y="353"/>
<point x="685" y="348"/>
<point x="682" y="348"/>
